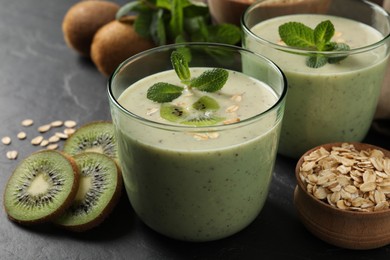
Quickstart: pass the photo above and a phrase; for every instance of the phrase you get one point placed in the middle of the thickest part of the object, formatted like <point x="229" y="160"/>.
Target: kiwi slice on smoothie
<point x="201" y="113"/>
<point x="41" y="187"/>
<point x="97" y="136"/>
<point x="99" y="191"/>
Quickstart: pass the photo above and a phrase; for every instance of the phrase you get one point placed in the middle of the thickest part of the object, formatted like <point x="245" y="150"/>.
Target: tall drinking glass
<point x="196" y="182"/>
<point x="335" y="102"/>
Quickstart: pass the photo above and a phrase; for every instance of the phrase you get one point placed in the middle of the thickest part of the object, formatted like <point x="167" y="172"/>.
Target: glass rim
<point x="113" y="100"/>
<point x="294" y="50"/>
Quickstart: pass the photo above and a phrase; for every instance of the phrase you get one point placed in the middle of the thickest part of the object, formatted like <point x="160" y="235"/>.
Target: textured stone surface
<point x="41" y="79"/>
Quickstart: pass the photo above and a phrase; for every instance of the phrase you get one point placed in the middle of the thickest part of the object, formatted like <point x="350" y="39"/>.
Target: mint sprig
<point x="299" y="35"/>
<point x="210" y="80"/>
<point x="165" y="20"/>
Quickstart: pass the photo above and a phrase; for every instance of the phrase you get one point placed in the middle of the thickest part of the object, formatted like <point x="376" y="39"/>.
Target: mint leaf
<point x="224" y="33"/>
<point x="176" y="23"/>
<point x="164" y="4"/>
<point x="316" y="61"/>
<point x="202" y="32"/>
<point x="142" y="24"/>
<point x="164" y="92"/>
<point x="297" y="34"/>
<point x="180" y="65"/>
<point x="323" y="33"/>
<point x="196" y="9"/>
<point x="210" y="80"/>
<point x="157" y="28"/>
<point x="339" y="47"/>
<point x="125" y="9"/>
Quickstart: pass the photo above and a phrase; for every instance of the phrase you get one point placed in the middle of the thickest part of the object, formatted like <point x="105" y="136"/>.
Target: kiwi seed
<point x="96" y="136"/>
<point x="99" y="190"/>
<point x="41" y="187"/>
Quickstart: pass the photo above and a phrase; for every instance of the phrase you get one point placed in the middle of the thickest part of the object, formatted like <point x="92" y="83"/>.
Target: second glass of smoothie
<point x="335" y="102"/>
<point x="198" y="182"/>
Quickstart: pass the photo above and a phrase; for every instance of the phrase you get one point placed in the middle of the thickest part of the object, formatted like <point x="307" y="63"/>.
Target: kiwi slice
<point x="206" y="103"/>
<point x="201" y="113"/>
<point x="99" y="190"/>
<point x="173" y="113"/>
<point x="41" y="187"/>
<point x="96" y="136"/>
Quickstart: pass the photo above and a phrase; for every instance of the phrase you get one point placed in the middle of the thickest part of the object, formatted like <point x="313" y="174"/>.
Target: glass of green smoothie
<point x="197" y="128"/>
<point x="334" y="62"/>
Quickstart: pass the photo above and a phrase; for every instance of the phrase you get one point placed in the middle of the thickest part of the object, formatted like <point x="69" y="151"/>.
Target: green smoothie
<point x="332" y="103"/>
<point x="193" y="184"/>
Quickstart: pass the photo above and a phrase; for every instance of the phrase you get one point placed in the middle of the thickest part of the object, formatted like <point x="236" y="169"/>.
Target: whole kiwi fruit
<point x="115" y="42"/>
<point x="83" y="20"/>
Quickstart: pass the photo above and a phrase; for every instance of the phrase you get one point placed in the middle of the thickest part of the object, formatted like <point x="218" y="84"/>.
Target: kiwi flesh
<point x="41" y="187"/>
<point x="205" y="103"/>
<point x="99" y="191"/>
<point x="201" y="113"/>
<point x="97" y="136"/>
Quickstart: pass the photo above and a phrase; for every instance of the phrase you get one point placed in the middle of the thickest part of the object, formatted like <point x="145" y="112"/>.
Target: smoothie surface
<point x="355" y="34"/>
<point x="241" y="97"/>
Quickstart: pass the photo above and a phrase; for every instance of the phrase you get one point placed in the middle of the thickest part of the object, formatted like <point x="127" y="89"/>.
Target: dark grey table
<point x="40" y="78"/>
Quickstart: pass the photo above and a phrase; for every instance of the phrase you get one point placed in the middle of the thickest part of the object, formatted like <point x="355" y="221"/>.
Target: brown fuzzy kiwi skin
<point x="83" y="20"/>
<point x="107" y="211"/>
<point x="115" y="42"/>
<point x="67" y="203"/>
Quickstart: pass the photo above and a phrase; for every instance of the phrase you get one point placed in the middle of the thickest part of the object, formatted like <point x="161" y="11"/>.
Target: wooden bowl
<point x="341" y="227"/>
<point x="230" y="11"/>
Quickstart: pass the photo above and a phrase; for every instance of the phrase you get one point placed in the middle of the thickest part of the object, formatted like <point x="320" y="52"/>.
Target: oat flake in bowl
<point x="343" y="194"/>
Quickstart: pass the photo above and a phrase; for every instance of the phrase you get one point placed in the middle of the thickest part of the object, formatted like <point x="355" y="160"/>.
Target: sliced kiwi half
<point x="97" y="136"/>
<point x="201" y="113"/>
<point x="41" y="187"/>
<point x="99" y="191"/>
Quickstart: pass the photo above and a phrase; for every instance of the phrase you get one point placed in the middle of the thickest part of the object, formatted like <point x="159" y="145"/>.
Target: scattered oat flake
<point x="6" y="140"/>
<point x="200" y="136"/>
<point x="61" y="135"/>
<point x="57" y="123"/>
<point x="231" y="121"/>
<point x="12" y="155"/>
<point x="236" y="98"/>
<point x="53" y="139"/>
<point x="232" y="108"/>
<point x="70" y="123"/>
<point x="37" y="140"/>
<point x="151" y="111"/>
<point x="27" y="122"/>
<point x="44" y="143"/>
<point x="52" y="146"/>
<point x="69" y="131"/>
<point x="44" y="128"/>
<point x="213" y="135"/>
<point x="22" y="135"/>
